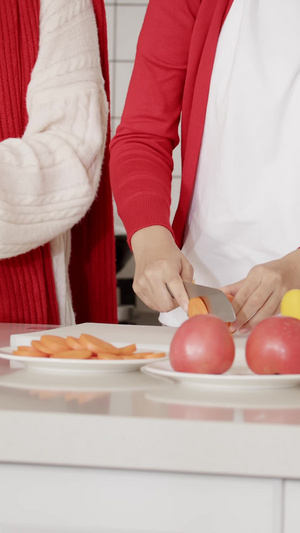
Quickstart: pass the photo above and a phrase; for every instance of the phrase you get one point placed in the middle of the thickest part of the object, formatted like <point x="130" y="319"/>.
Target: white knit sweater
<point x="49" y="178"/>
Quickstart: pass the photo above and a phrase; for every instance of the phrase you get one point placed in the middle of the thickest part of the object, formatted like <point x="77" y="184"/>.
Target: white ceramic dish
<point x="254" y="399"/>
<point x="237" y="377"/>
<point x="78" y="382"/>
<point x="75" y="365"/>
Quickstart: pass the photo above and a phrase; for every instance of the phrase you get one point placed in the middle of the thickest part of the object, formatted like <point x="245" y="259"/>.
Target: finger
<point x="270" y="308"/>
<point x="155" y="295"/>
<point x="261" y="304"/>
<point x="246" y="303"/>
<point x="233" y="289"/>
<point x="250" y="313"/>
<point x="187" y="272"/>
<point x="247" y="300"/>
<point x="176" y="288"/>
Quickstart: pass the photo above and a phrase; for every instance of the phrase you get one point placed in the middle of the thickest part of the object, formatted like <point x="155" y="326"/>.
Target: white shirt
<point x="245" y="207"/>
<point x="49" y="178"/>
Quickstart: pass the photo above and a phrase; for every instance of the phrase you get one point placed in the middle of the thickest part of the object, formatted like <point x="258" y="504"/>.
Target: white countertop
<point x="136" y="421"/>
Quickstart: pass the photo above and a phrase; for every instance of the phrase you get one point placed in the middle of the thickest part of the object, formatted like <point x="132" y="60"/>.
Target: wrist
<point x="151" y="236"/>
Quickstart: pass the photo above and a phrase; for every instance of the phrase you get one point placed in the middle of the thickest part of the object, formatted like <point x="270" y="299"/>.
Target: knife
<point x="215" y="300"/>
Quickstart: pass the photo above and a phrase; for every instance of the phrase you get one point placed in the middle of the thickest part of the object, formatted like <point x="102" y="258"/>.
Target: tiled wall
<point x="124" y="21"/>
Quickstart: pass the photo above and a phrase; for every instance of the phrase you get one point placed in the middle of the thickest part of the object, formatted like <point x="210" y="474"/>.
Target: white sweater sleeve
<point x="49" y="177"/>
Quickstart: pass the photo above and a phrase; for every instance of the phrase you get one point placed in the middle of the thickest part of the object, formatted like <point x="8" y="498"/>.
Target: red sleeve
<point x="141" y="152"/>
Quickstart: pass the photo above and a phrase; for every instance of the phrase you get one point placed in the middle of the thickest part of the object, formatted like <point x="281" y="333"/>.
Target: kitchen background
<point x="124" y="21"/>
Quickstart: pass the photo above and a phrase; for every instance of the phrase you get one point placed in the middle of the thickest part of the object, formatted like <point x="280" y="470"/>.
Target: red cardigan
<point x="171" y="79"/>
<point x="27" y="289"/>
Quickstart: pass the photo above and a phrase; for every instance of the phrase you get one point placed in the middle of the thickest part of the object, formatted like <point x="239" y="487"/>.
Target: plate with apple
<point x="202" y="353"/>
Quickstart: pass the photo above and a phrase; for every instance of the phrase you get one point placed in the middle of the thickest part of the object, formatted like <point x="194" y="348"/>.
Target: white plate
<point x="70" y="365"/>
<point x="236" y="377"/>
<point x="78" y="382"/>
<point x="255" y="399"/>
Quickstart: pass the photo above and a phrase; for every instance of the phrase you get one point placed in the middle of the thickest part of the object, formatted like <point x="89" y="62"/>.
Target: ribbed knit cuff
<point x="143" y="211"/>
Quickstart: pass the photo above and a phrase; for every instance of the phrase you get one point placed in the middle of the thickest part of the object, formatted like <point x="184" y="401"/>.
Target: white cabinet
<point x="291" y="499"/>
<point x="40" y="499"/>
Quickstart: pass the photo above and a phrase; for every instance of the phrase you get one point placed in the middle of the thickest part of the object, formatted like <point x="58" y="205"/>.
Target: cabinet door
<point x="39" y="499"/>
<point x="291" y="511"/>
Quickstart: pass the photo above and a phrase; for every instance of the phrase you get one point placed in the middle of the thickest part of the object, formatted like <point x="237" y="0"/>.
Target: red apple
<point x="203" y="345"/>
<point x="273" y="346"/>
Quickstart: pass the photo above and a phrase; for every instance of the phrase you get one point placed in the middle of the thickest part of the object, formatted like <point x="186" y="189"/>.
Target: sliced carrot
<point x="97" y="345"/>
<point x="149" y="355"/>
<point x="26" y="348"/>
<point x="104" y="355"/>
<point x="73" y="343"/>
<point x="197" y="307"/>
<point x="48" y="338"/>
<point x="143" y="353"/>
<point x="26" y="353"/>
<point x="54" y="343"/>
<point x="136" y="355"/>
<point x="153" y="355"/>
<point x="39" y="346"/>
<point x="130" y="348"/>
<point x="72" y="354"/>
<point x="85" y="347"/>
<point x="129" y="357"/>
<point x="110" y="356"/>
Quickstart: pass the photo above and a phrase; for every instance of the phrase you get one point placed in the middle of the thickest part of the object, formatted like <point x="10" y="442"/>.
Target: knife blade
<point x="215" y="300"/>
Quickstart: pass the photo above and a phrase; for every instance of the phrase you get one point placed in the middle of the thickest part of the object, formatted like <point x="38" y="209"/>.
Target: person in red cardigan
<point x="57" y="245"/>
<point x="228" y="71"/>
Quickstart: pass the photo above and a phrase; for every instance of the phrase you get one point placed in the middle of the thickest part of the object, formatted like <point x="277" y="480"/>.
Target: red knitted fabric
<point x="93" y="261"/>
<point x="27" y="290"/>
<point x="141" y="151"/>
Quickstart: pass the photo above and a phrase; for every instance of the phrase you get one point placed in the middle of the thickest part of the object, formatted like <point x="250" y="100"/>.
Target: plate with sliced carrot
<point x="85" y="353"/>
